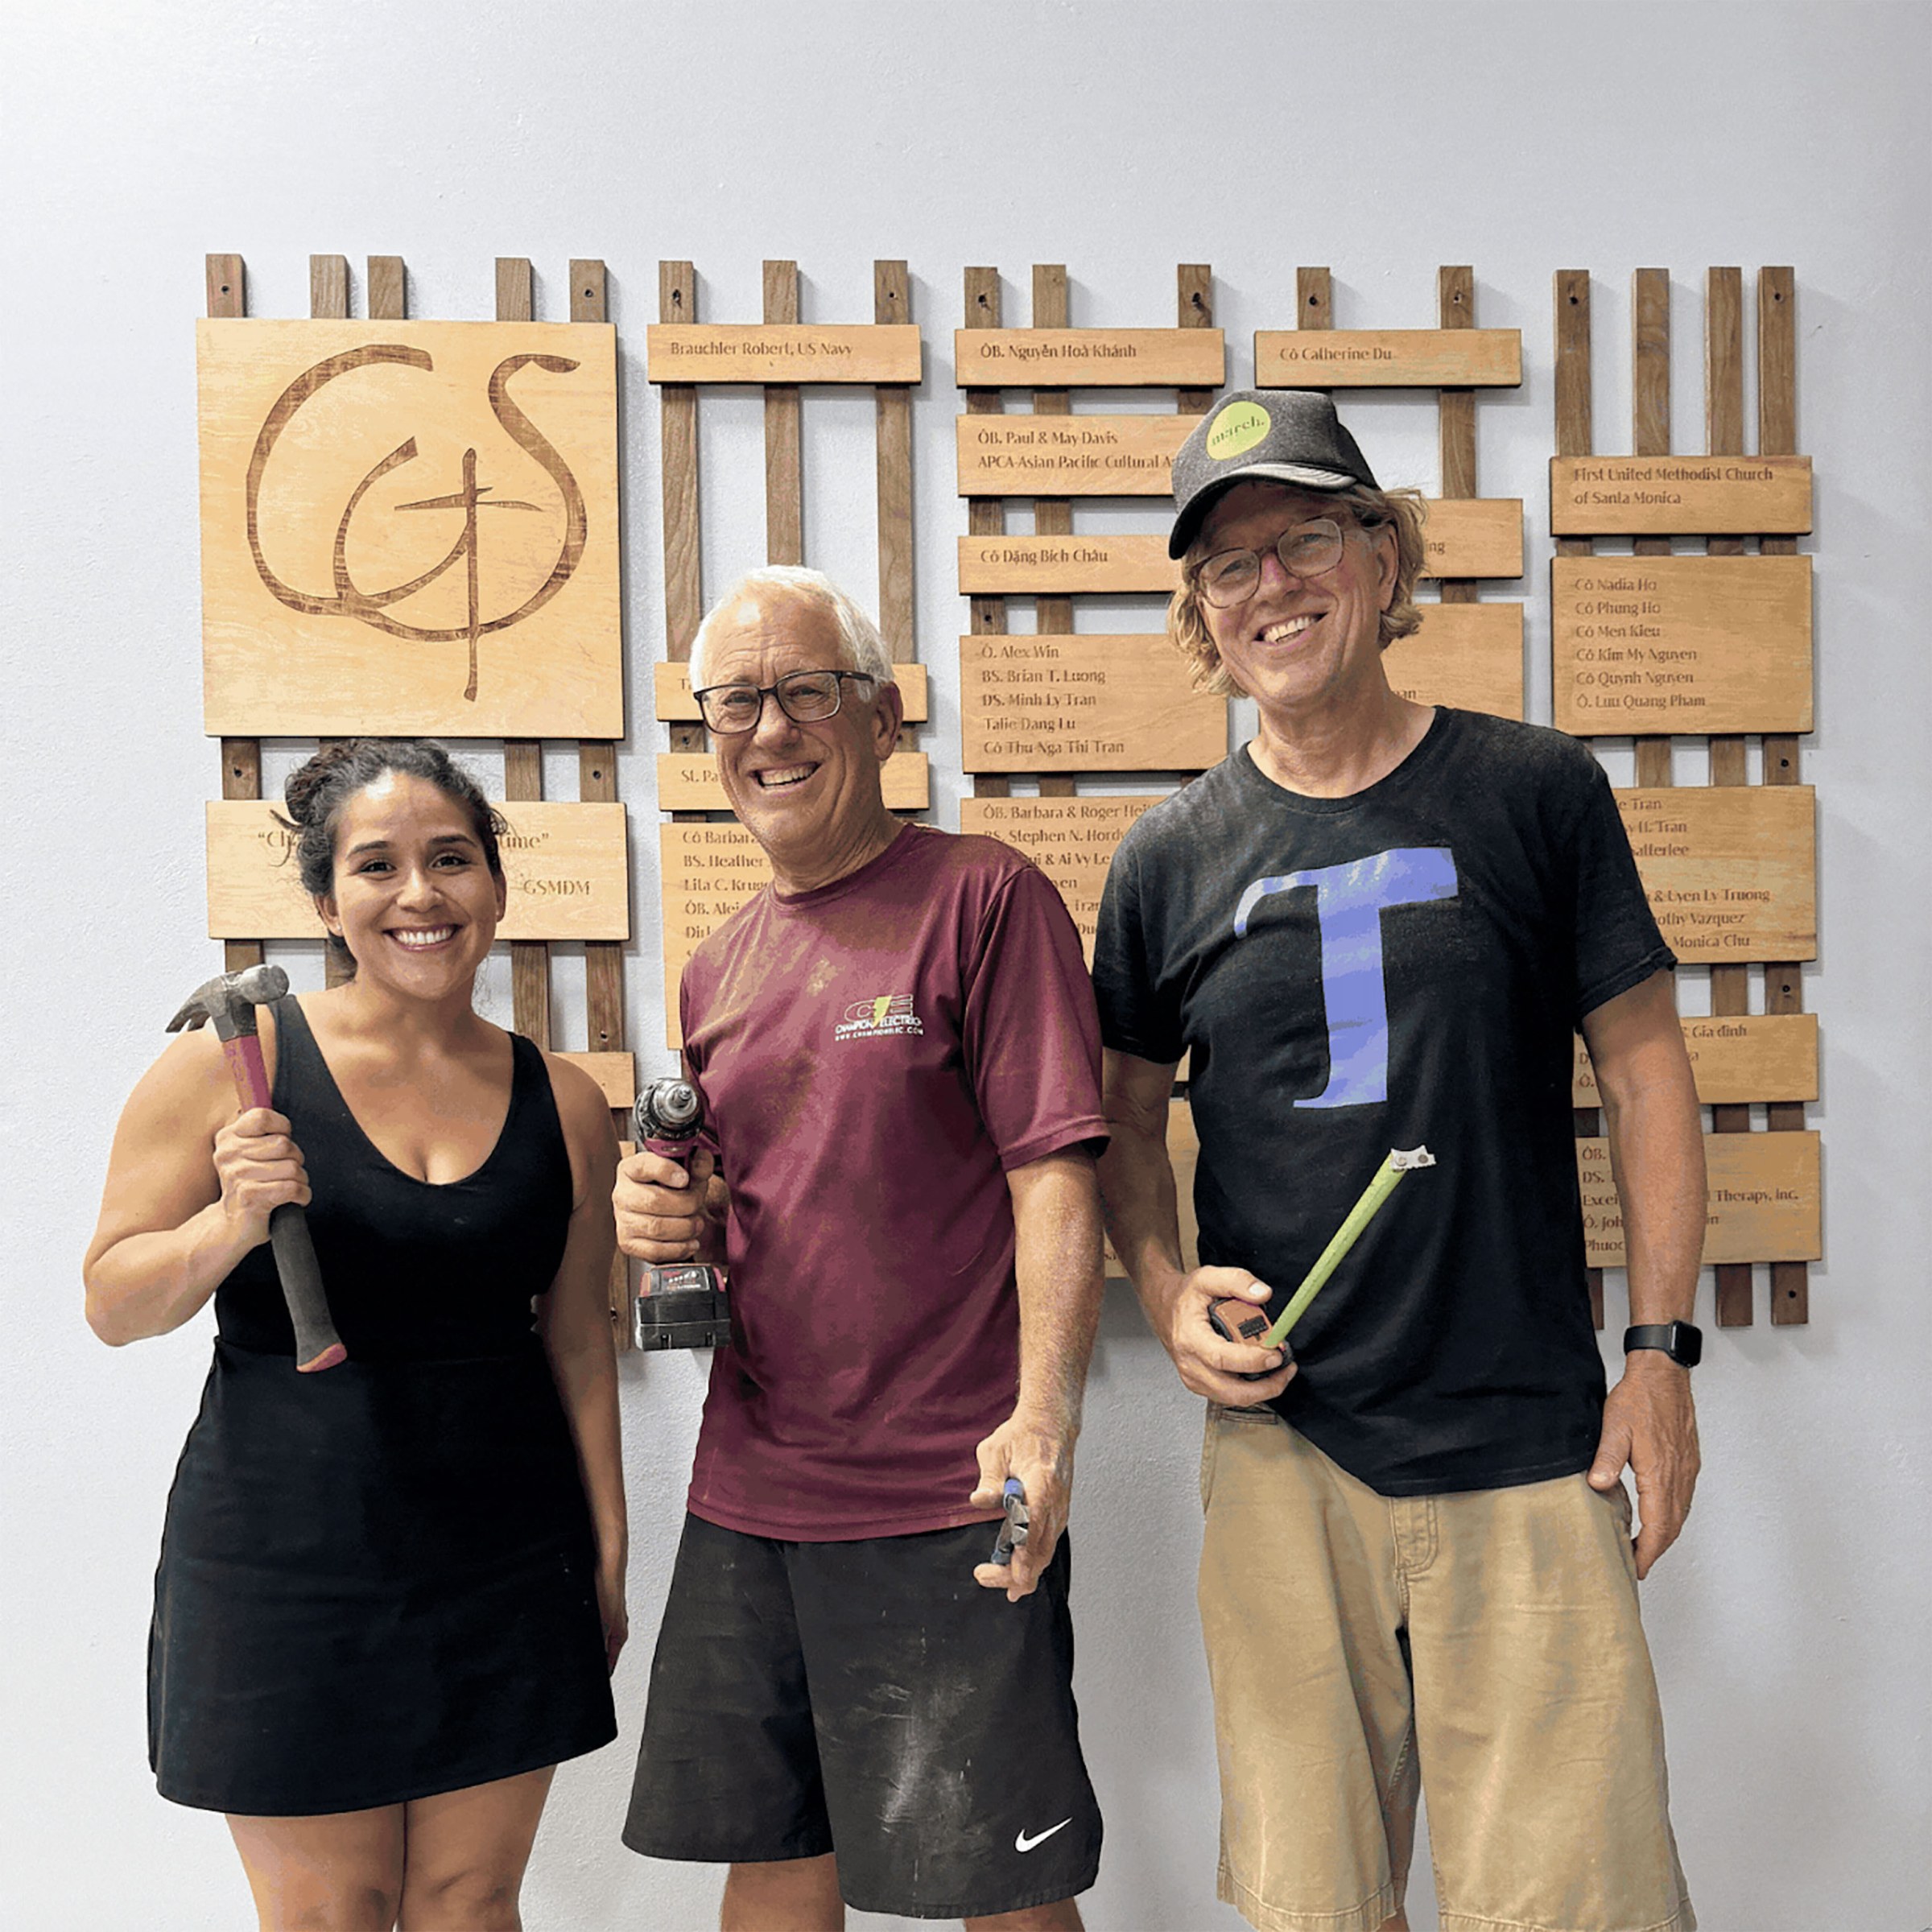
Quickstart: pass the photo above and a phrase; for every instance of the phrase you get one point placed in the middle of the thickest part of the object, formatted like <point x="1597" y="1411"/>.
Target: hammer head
<point x="231" y="999"/>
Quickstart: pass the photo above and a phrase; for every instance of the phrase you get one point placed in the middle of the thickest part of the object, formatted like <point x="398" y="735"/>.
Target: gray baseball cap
<point x="1274" y="435"/>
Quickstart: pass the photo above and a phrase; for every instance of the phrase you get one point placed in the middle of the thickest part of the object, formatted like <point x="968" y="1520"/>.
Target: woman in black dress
<point x="390" y="1593"/>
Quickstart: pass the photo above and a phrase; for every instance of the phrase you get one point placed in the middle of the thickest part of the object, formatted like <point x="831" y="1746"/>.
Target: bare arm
<point x="1056" y="1216"/>
<point x="1656" y="1154"/>
<point x="574" y="1320"/>
<point x="1143" y="1220"/>
<point x="188" y="1194"/>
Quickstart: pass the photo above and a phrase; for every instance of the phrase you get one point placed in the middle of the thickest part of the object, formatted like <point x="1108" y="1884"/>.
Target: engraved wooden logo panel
<point x="410" y="526"/>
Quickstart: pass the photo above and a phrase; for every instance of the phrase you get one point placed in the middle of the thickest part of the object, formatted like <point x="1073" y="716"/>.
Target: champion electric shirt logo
<point x="888" y="1013"/>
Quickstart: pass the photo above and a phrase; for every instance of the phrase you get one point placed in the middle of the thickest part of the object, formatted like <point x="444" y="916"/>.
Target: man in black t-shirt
<point x="1379" y="926"/>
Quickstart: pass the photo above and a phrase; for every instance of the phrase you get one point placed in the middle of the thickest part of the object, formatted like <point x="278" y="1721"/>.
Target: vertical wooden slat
<point x="892" y="303"/>
<point x="523" y="757"/>
<point x="226" y="282"/>
<point x="677" y="405"/>
<point x="1650" y="436"/>
<point x="784" y="477"/>
<point x="1724" y="435"/>
<point x="1576" y="434"/>
<point x="1194" y="302"/>
<point x="1455" y="425"/>
<point x="985" y="516"/>
<point x="1777" y="436"/>
<point x="328" y="286"/>
<point x="1052" y="516"/>
<point x="388" y="289"/>
<point x="1314" y="298"/>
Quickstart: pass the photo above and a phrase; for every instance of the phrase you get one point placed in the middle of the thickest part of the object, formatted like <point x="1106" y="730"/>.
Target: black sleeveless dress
<point x="378" y="1583"/>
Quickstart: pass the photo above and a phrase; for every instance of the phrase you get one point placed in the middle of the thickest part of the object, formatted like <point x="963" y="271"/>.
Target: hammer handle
<point x="317" y="1345"/>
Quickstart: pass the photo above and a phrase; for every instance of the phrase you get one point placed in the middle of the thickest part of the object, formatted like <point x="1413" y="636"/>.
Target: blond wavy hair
<point x="1402" y="510"/>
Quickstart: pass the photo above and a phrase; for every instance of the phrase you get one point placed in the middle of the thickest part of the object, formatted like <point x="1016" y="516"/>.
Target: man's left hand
<point x="1650" y="1422"/>
<point x="1041" y="1455"/>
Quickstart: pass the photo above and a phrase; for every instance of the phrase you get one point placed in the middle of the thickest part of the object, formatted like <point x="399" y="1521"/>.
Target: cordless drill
<point x="682" y="1305"/>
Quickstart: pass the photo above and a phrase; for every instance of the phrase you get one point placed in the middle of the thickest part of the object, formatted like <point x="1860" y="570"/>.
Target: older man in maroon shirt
<point x="898" y="1049"/>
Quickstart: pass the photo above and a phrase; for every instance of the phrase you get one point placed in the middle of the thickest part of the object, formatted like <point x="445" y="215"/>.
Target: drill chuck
<point x="669" y="1110"/>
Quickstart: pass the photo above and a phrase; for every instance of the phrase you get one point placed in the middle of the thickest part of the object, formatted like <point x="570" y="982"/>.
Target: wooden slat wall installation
<point x="675" y="704"/>
<point x="227" y="289"/>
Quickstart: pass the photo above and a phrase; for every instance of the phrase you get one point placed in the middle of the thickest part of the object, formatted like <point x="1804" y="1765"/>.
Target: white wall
<point x="1379" y="139"/>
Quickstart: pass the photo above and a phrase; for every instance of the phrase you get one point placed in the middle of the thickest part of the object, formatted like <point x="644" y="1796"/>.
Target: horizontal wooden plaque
<point x="1073" y="841"/>
<point x="1465" y="538"/>
<point x="1731" y="870"/>
<point x="1657" y="645"/>
<point x="1388" y="358"/>
<point x="1735" y="1060"/>
<point x="705" y="873"/>
<point x="688" y="781"/>
<point x="675" y="705"/>
<point x="1467" y="656"/>
<point x="1686" y="496"/>
<point x="409" y="527"/>
<point x="782" y="351"/>
<point x="1763" y="1203"/>
<point x="1089" y="358"/>
<point x="1069" y="455"/>
<point x="567" y="865"/>
<point x="616" y="1073"/>
<point x="1473" y="537"/>
<point x="1089" y="703"/>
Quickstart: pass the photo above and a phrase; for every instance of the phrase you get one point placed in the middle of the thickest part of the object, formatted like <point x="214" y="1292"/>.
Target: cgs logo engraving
<point x="887" y="1013"/>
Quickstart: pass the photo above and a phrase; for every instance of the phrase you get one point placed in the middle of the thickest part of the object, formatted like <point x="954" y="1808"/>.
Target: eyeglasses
<point x="1230" y="577"/>
<point x="804" y="696"/>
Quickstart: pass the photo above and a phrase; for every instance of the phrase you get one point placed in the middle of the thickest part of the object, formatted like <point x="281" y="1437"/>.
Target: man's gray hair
<point x="858" y="635"/>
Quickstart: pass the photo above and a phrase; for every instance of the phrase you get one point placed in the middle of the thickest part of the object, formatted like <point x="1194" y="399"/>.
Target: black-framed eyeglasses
<point x="804" y="696"/>
<point x="1229" y="576"/>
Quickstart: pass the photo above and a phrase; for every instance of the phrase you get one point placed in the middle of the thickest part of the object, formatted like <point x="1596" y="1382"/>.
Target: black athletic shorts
<point x="868" y="1698"/>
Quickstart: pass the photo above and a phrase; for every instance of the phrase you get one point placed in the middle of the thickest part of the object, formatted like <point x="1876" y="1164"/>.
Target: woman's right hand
<point x="260" y="1169"/>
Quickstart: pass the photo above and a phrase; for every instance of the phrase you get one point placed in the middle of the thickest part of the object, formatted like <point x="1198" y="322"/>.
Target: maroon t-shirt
<point x="874" y="1056"/>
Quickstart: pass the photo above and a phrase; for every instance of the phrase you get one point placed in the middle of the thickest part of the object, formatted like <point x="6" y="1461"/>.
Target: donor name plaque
<point x="782" y="353"/>
<point x="1730" y="870"/>
<point x="688" y="780"/>
<point x="1763" y="1203"/>
<point x="1068" y="456"/>
<point x="1388" y="358"/>
<point x="1084" y="703"/>
<point x="567" y="864"/>
<point x="1680" y="496"/>
<point x="1085" y="358"/>
<point x="1073" y="841"/>
<point x="1469" y="656"/>
<point x="707" y="873"/>
<point x="1735" y="1058"/>
<point x="1657" y="645"/>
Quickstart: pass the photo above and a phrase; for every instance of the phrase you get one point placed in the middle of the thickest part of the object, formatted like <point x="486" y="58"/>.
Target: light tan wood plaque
<point x="1388" y="358"/>
<point x="410" y="526"/>
<point x="1763" y="1203"/>
<point x="675" y="705"/>
<point x="705" y="873"/>
<point x="1073" y="841"/>
<point x="1084" y="703"/>
<point x="688" y="781"/>
<point x="1082" y="358"/>
<point x="1465" y="538"/>
<point x="1467" y="656"/>
<point x="1656" y="644"/>
<point x="1029" y="456"/>
<point x="567" y="864"/>
<point x="1731" y="870"/>
<point x="1687" y="495"/>
<point x="616" y="1073"/>
<point x="782" y="353"/>
<point x="1735" y="1060"/>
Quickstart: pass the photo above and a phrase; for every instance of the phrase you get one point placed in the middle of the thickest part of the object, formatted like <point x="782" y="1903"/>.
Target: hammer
<point x="230" y="1000"/>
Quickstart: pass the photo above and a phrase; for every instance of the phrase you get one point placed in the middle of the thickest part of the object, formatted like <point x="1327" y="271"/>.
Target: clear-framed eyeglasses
<point x="804" y="696"/>
<point x="1230" y="577"/>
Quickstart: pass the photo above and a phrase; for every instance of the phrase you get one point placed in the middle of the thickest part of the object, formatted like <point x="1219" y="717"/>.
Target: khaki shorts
<point x="1484" y="1647"/>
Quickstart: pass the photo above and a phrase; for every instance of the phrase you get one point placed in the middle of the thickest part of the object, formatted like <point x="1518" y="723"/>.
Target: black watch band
<point x="1682" y="1341"/>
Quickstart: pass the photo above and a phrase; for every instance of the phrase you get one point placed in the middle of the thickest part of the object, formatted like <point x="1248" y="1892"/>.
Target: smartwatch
<point x="1682" y="1342"/>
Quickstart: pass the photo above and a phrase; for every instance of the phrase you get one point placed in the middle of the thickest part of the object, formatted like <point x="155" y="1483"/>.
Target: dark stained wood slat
<point x="328" y="286"/>
<point x="985" y="516"/>
<point x="1650" y="436"/>
<point x="892" y="303"/>
<point x="1455" y="422"/>
<point x="784" y="465"/>
<point x="388" y="289"/>
<point x="678" y="406"/>
<point x="1194" y="301"/>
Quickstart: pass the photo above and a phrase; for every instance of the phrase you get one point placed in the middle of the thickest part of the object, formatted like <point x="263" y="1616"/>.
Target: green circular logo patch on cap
<point x="1237" y="429"/>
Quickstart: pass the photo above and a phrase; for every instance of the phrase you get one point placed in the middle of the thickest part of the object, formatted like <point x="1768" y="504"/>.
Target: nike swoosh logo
<point x="1024" y="1843"/>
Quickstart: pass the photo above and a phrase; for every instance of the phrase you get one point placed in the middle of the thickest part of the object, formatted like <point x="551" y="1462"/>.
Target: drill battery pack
<point x="683" y="1307"/>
